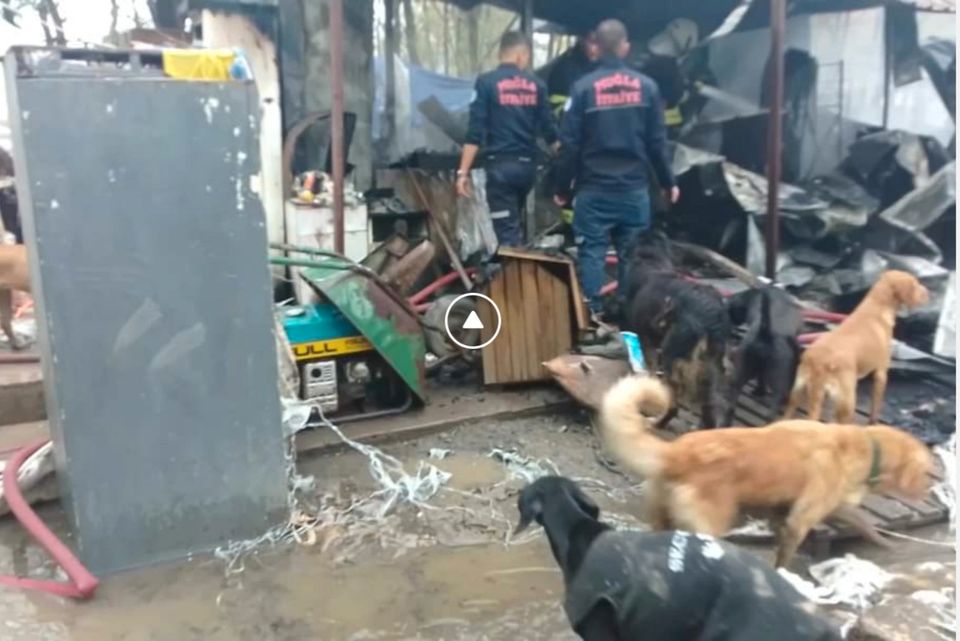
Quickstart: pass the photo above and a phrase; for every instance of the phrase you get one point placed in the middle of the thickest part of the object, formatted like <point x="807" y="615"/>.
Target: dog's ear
<point x="530" y="506"/>
<point x="916" y="295"/>
<point x="913" y="477"/>
<point x="585" y="503"/>
<point x="906" y="290"/>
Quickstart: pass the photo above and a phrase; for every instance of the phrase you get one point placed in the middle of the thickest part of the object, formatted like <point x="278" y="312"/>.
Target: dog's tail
<point x="625" y="417"/>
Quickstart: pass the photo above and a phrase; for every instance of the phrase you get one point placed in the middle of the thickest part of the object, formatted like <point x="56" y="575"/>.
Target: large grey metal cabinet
<point x="148" y="256"/>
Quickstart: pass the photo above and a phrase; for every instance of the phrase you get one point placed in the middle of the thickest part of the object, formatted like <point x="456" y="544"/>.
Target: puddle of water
<point x="471" y="471"/>
<point x="296" y="594"/>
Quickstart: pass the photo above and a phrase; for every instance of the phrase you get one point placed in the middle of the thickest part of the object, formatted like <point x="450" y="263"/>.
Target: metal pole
<point x="336" y="122"/>
<point x="778" y="19"/>
<point x="390" y="44"/>
<point x="887" y="44"/>
<point x="530" y="207"/>
<point x="526" y="19"/>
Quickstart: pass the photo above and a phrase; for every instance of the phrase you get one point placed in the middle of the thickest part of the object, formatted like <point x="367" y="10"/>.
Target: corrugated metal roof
<point x="944" y="6"/>
<point x="578" y="15"/>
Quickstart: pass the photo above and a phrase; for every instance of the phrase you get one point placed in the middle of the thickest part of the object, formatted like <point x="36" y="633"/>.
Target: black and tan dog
<point x="661" y="586"/>
<point x="769" y="352"/>
<point x="686" y="323"/>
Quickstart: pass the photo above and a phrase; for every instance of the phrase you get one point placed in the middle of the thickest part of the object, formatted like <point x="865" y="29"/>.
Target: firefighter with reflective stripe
<point x="570" y="66"/>
<point x="612" y="128"/>
<point x="509" y="110"/>
<point x="565" y="71"/>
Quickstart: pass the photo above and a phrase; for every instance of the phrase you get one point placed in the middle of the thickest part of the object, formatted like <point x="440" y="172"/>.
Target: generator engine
<point x="340" y="371"/>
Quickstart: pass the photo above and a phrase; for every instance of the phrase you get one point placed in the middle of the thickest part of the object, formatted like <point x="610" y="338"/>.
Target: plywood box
<point x="542" y="313"/>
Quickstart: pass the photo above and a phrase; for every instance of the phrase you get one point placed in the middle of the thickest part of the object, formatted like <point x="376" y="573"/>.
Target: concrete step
<point x="21" y="393"/>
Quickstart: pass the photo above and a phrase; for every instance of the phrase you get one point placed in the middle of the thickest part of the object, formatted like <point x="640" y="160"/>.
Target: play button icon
<point x="473" y="321"/>
<point x="468" y="333"/>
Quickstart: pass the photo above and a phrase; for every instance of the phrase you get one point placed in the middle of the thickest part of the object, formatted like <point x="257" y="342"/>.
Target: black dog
<point x="769" y="352"/>
<point x="685" y="322"/>
<point x="669" y="586"/>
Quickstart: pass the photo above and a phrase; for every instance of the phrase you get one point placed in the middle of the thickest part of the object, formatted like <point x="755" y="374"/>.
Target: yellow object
<point x="558" y="102"/>
<point x="317" y="349"/>
<point x="306" y="196"/>
<point x="198" y="64"/>
<point x="566" y="215"/>
<point x="672" y="117"/>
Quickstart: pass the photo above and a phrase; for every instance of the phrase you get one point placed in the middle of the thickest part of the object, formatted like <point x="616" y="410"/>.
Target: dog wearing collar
<point x="661" y="586"/>
<point x="703" y="480"/>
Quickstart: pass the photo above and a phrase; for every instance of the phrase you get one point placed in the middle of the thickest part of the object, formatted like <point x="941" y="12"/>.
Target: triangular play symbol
<point x="473" y="322"/>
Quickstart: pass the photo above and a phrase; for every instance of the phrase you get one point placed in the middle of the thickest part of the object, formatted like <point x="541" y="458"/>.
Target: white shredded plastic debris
<point x="296" y="415"/>
<point x="933" y="598"/>
<point x="396" y="485"/>
<point x="946" y="490"/>
<point x="848" y="581"/>
<point x="752" y="528"/>
<point x="524" y="467"/>
<point x="439" y="453"/>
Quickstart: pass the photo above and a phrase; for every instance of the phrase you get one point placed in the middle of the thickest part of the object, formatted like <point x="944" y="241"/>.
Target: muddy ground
<point x="444" y="572"/>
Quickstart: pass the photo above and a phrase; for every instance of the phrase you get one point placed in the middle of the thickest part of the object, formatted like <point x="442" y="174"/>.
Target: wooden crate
<point x="542" y="313"/>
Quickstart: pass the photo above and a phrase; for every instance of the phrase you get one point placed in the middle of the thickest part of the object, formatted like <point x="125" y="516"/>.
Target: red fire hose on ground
<point x="82" y="583"/>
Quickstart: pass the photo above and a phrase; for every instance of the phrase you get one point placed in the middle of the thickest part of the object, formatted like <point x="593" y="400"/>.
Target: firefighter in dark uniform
<point x="570" y="66"/>
<point x="508" y="112"/>
<point x="566" y="70"/>
<point x="612" y="127"/>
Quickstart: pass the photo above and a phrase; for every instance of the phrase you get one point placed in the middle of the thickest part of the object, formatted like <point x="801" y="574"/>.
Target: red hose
<point x="443" y="281"/>
<point x="19" y="358"/>
<point x="82" y="584"/>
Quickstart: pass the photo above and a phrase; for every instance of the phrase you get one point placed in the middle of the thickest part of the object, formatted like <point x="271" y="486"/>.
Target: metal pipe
<point x="887" y="47"/>
<point x="526" y="20"/>
<point x="336" y="124"/>
<point x="390" y="53"/>
<point x="778" y="20"/>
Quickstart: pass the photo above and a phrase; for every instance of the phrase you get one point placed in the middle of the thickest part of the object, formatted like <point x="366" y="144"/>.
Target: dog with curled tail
<point x="703" y="480"/>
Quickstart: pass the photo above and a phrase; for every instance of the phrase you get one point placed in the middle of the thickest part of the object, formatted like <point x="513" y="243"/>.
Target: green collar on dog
<point x="874" y="477"/>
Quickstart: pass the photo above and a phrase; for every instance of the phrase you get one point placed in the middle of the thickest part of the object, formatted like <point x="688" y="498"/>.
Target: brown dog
<point x="14" y="274"/>
<point x="702" y="480"/>
<point x="858" y="347"/>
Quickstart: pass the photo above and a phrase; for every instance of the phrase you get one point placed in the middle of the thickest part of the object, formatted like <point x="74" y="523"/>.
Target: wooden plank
<point x="756" y="407"/>
<point x="562" y="320"/>
<point x="579" y="309"/>
<point x="490" y="353"/>
<point x="547" y="312"/>
<point x="924" y="509"/>
<point x="529" y="254"/>
<point x="747" y="417"/>
<point x="534" y="339"/>
<point x="892" y="512"/>
<point x="580" y="313"/>
<point x="514" y="305"/>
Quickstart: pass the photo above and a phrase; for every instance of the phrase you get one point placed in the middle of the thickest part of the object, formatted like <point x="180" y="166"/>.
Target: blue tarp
<point x="453" y="93"/>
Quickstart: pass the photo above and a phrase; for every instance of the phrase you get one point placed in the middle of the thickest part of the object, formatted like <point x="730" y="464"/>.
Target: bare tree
<point x="114" y="15"/>
<point x="410" y="31"/>
<point x="50" y="19"/>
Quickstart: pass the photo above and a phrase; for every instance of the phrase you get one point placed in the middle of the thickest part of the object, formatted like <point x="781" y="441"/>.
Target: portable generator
<point x="340" y="369"/>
